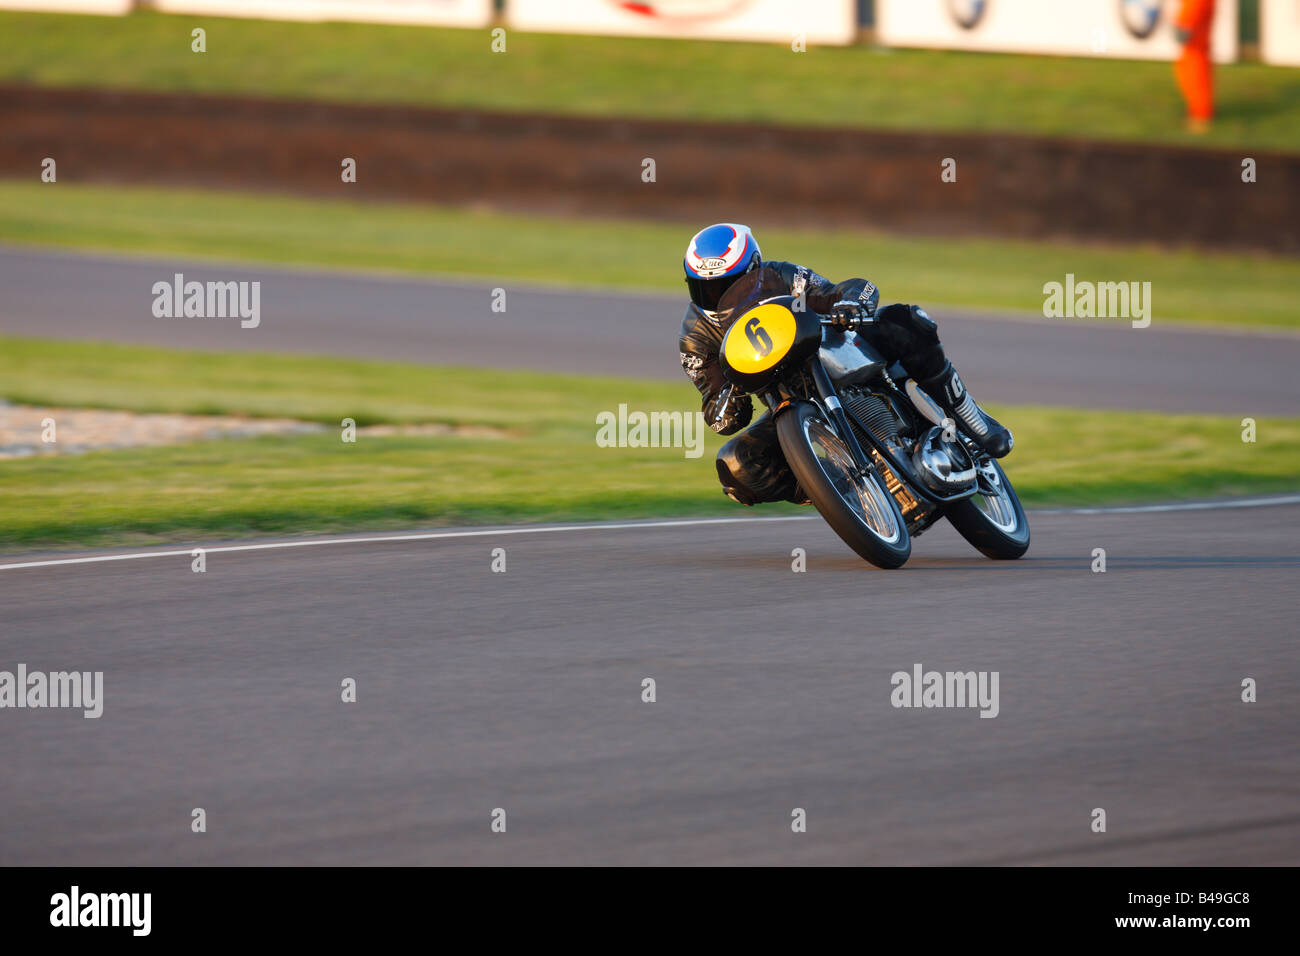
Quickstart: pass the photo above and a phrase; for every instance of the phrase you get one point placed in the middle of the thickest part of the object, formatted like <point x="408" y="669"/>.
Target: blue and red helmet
<point x="717" y="257"/>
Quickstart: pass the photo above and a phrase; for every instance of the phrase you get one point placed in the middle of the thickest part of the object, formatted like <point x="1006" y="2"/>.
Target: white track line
<point x="1178" y="506"/>
<point x="612" y="526"/>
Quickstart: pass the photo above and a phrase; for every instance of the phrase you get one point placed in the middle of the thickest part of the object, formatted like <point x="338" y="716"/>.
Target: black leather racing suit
<point x="751" y="466"/>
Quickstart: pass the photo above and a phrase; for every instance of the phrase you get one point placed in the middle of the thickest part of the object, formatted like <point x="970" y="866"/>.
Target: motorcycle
<point x="875" y="454"/>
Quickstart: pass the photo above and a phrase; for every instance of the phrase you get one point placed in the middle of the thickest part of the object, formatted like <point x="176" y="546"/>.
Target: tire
<point x="869" y="523"/>
<point x="993" y="532"/>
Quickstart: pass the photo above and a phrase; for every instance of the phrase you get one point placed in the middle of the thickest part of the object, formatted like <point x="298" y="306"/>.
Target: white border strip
<point x="612" y="526"/>
<point x="1179" y="506"/>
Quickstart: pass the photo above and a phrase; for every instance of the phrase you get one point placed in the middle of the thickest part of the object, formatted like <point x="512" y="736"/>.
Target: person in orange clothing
<point x="1193" y="70"/>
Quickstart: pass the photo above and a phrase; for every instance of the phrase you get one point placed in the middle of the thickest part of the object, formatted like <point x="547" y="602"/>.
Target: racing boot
<point x="947" y="389"/>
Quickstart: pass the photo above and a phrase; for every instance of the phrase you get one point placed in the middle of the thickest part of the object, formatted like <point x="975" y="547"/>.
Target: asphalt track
<point x="523" y="690"/>
<point x="478" y="690"/>
<point x="1002" y="358"/>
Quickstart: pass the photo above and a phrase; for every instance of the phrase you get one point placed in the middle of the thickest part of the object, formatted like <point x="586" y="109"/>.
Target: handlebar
<point x="847" y="323"/>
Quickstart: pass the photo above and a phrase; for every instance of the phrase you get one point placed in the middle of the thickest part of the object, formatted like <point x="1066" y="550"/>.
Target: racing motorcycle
<point x="875" y="454"/>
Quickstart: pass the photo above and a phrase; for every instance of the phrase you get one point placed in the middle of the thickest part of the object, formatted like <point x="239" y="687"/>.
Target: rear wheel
<point x="862" y="512"/>
<point x="992" y="519"/>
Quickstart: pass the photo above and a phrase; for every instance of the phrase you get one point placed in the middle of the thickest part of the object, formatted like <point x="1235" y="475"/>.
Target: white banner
<point x="1130" y="29"/>
<point x="783" y="21"/>
<point x="452" y="13"/>
<point x="70" y="6"/>
<point x="1279" y="32"/>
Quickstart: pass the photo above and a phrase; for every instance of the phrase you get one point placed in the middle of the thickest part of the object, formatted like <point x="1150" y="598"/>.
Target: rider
<point x="725" y="268"/>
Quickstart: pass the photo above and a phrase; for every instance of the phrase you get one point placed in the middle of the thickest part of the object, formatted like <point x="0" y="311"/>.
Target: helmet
<point x="717" y="257"/>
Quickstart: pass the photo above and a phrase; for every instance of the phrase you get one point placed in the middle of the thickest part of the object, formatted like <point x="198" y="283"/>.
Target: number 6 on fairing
<point x="758" y="337"/>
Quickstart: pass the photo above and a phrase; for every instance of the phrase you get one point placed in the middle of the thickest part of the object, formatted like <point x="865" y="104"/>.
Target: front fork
<point x="826" y="390"/>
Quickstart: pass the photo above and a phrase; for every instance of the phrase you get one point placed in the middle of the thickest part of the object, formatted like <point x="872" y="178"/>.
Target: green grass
<point x="549" y="468"/>
<point x="1186" y="285"/>
<point x="602" y="76"/>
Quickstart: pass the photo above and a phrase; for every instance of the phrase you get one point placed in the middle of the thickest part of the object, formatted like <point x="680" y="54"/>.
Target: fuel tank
<point x="849" y="359"/>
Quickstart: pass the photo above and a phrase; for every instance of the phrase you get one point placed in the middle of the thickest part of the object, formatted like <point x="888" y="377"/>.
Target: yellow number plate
<point x="760" y="338"/>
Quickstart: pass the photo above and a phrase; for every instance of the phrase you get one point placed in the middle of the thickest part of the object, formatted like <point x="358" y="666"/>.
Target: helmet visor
<point x="706" y="293"/>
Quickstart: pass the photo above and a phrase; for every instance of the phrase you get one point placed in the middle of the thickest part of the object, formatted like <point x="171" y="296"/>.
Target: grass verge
<point x="549" y="469"/>
<point x="1259" y="106"/>
<point x="1186" y="285"/>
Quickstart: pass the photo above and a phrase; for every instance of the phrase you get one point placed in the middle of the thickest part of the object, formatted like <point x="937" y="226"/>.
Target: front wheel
<point x="992" y="519"/>
<point x="862" y="512"/>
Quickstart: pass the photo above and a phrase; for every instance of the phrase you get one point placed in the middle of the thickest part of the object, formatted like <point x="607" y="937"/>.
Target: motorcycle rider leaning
<point x="724" y="268"/>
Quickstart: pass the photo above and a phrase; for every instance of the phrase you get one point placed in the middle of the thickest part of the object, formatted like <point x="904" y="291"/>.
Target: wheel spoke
<point x="863" y="494"/>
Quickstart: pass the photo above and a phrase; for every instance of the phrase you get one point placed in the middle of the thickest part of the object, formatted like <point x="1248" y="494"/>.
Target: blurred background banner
<point x="1128" y="29"/>
<point x="457" y="13"/>
<point x="70" y="6"/>
<point x="1279" y="34"/>
<point x="818" y="21"/>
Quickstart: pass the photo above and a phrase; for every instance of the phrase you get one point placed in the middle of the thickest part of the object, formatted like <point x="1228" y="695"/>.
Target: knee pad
<point x="731" y="486"/>
<point x="752" y="469"/>
<point x="913" y="320"/>
<point x="916" y="338"/>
